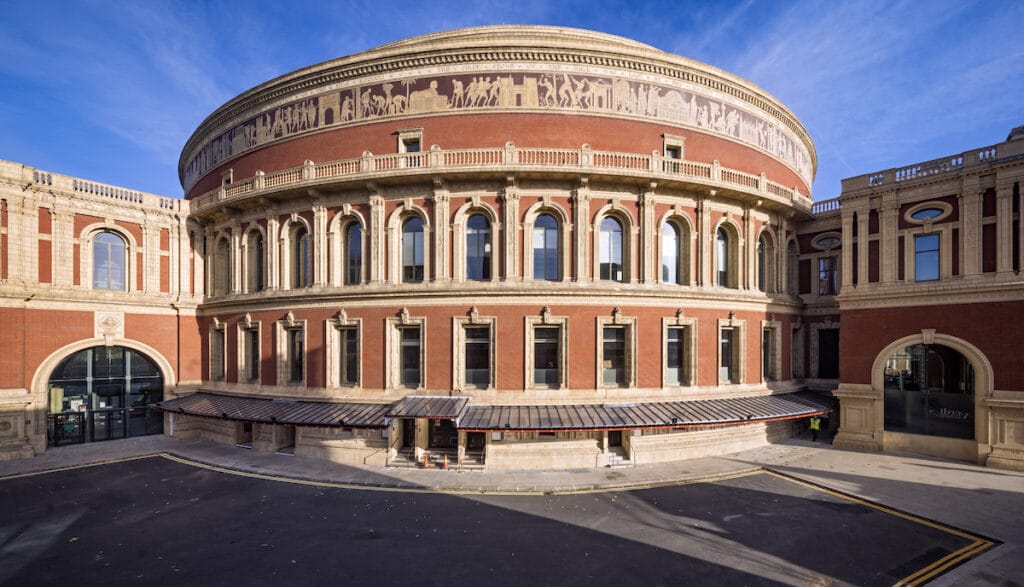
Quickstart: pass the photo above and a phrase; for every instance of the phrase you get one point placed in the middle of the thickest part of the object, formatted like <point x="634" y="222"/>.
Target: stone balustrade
<point x="507" y="159"/>
<point x="73" y="185"/>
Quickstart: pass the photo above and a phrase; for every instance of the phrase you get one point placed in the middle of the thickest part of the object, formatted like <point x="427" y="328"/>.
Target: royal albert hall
<point x="503" y="247"/>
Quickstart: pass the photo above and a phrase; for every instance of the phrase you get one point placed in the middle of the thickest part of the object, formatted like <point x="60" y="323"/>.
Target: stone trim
<point x="546" y="319"/>
<point x="393" y="357"/>
<point x="394" y="250"/>
<point x="691" y="353"/>
<point x="337" y="244"/>
<point x="247" y="326"/>
<point x="565" y="226"/>
<point x="630" y="267"/>
<point x="687" y="239"/>
<point x="459" y="325"/>
<point x="739" y="350"/>
<point x="332" y="348"/>
<point x="282" y="329"/>
<point x="775" y="358"/>
<point x="475" y="206"/>
<point x="218" y="365"/>
<point x="628" y="323"/>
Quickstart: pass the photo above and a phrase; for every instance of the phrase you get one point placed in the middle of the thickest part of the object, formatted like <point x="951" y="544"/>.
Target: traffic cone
<point x="445" y="461"/>
<point x="426" y="460"/>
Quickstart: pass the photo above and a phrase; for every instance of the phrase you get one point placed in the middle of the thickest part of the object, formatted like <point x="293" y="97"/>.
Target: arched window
<point x="109" y="266"/>
<point x="545" y="248"/>
<point x="412" y="250"/>
<point x="673" y="258"/>
<point x="353" y="258"/>
<point x="222" y="268"/>
<point x="302" y="259"/>
<point x="478" y="248"/>
<point x="256" y="262"/>
<point x="611" y="250"/>
<point x="723" y="261"/>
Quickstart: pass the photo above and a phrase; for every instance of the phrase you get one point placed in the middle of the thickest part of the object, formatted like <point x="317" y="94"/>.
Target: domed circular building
<point x="510" y="246"/>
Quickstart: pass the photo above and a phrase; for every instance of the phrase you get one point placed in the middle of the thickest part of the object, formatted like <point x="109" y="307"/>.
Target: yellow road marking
<point x="82" y="466"/>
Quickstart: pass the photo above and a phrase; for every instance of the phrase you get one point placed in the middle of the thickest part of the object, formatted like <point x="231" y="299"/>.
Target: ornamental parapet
<point x="505" y="160"/>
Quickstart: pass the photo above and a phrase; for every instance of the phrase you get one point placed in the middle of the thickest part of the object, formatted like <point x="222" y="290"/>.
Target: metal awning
<point x="642" y="415"/>
<point x="298" y="413"/>
<point x="428" y="406"/>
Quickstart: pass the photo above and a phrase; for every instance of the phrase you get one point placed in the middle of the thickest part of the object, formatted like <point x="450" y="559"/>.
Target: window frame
<point x="628" y="324"/>
<point x="559" y="270"/>
<point x="546" y="320"/>
<point x="393" y="341"/>
<point x="731" y="255"/>
<point x="827" y="286"/>
<point x="920" y="253"/>
<point x="738" y="361"/>
<point x="217" y="351"/>
<point x="683" y="250"/>
<point x="255" y="260"/>
<point x="774" y="359"/>
<point x="459" y="353"/>
<point x="689" y="368"/>
<point x="402" y="254"/>
<point x="246" y="328"/>
<point x="284" y="330"/>
<point x="625" y="229"/>
<point x="346" y="253"/>
<point x="334" y="327"/>
<point x="126" y="264"/>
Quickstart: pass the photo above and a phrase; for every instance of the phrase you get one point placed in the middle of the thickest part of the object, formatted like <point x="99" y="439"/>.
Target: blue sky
<point x="111" y="91"/>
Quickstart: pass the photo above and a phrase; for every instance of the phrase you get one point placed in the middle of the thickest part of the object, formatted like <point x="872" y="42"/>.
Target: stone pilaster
<point x="748" y="252"/>
<point x="237" y="276"/>
<point x="1004" y="228"/>
<point x="863" y="238"/>
<point x="510" y="198"/>
<point x="63" y="246"/>
<point x="378" y="230"/>
<point x="319" y="244"/>
<point x="887" y="253"/>
<point x="781" y="256"/>
<point x="704" y="240"/>
<point x="846" y="266"/>
<point x="970" y="232"/>
<point x="442" y="234"/>
<point x="273" y="250"/>
<point x="581" y="210"/>
<point x="648" y="234"/>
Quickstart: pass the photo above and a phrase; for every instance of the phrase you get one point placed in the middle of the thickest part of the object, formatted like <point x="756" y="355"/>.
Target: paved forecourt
<point x="163" y="518"/>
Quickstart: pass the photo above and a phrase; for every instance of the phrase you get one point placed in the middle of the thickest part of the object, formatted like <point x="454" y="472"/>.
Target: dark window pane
<point x="412" y="251"/>
<point x="353" y="254"/>
<point x="410" y="356"/>
<point x="545" y="248"/>
<point x="676" y="360"/>
<point x="478" y="248"/>
<point x="546" y="356"/>
<point x="926" y="257"/>
<point x="614" y="355"/>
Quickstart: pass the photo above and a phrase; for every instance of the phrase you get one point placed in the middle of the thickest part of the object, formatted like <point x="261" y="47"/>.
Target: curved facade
<point x="515" y="247"/>
<point x="518" y="216"/>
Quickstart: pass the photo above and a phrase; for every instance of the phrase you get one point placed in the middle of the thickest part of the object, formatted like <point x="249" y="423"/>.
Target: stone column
<point x="237" y="275"/>
<point x="781" y="257"/>
<point x="319" y="244"/>
<point x="510" y="197"/>
<point x="748" y="252"/>
<point x="846" y="267"/>
<point x="377" y="232"/>
<point x="1004" y="227"/>
<point x="648" y="234"/>
<point x="582" y="223"/>
<point x="887" y="254"/>
<point x="704" y="243"/>
<point x="63" y="246"/>
<point x="442" y="233"/>
<point x="273" y="250"/>
<point x="970" y="232"/>
<point x="863" y="238"/>
<point x="22" y="241"/>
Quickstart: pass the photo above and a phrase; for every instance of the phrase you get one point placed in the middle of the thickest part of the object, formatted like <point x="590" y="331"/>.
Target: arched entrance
<point x="102" y="393"/>
<point x="929" y="390"/>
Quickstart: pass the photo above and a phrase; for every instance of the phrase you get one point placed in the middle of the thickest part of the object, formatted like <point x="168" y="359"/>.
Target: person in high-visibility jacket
<point x="815" y="426"/>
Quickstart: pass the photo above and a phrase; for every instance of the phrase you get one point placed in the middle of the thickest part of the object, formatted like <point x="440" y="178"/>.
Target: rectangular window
<point x="828" y="284"/>
<point x="348" y="360"/>
<point x="727" y="364"/>
<point x="296" y="354"/>
<point x="217" y="355"/>
<point x="768" y="354"/>
<point x="410" y="356"/>
<point x="478" y="356"/>
<point x="252" y="351"/>
<point x="828" y="353"/>
<point x="676" y="363"/>
<point x="546" y="356"/>
<point x="926" y="257"/>
<point x="614" y="355"/>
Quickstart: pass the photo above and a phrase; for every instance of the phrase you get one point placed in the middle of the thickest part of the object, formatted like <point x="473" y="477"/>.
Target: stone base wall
<point x="707" y="442"/>
<point x="341" y="446"/>
<point x="509" y="454"/>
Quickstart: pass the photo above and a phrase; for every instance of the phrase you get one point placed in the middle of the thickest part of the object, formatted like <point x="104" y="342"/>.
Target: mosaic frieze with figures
<point x="563" y="91"/>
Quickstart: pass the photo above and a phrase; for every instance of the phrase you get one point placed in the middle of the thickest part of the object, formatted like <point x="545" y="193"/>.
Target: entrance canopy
<point x="642" y="415"/>
<point x="425" y="406"/>
<point x="297" y="413"/>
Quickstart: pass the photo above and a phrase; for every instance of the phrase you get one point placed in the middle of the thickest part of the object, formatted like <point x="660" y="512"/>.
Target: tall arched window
<point x="762" y="266"/>
<point x="478" y="248"/>
<point x="670" y="265"/>
<point x="412" y="250"/>
<point x="256" y="261"/>
<point x="545" y="248"/>
<point x="109" y="266"/>
<point x="611" y="250"/>
<point x="723" y="261"/>
<point x="353" y="258"/>
<point x="302" y="259"/>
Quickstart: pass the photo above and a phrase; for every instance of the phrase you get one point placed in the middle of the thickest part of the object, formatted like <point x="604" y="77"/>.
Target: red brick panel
<point x="45" y="261"/>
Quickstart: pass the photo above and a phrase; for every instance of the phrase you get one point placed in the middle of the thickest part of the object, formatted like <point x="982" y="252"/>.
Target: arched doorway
<point x="103" y="393"/>
<point x="929" y="390"/>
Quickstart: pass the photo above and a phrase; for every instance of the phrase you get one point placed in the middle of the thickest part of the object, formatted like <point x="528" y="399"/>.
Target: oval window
<point x="926" y="214"/>
<point x="826" y="242"/>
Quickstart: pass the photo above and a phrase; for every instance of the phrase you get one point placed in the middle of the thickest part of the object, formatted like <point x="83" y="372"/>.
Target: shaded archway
<point x="102" y="393"/>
